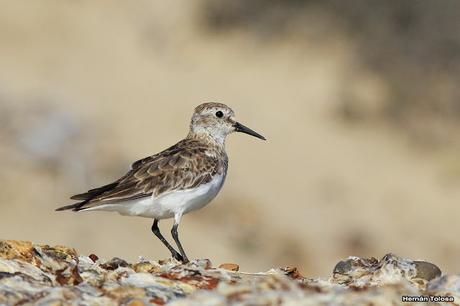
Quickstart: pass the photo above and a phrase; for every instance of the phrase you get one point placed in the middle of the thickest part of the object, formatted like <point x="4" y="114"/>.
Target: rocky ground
<point x="44" y="275"/>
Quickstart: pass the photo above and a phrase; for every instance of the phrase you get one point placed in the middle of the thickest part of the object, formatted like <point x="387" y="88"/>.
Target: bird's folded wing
<point x="177" y="168"/>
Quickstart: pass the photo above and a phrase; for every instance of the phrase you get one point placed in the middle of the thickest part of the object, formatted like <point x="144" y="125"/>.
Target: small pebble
<point x="136" y="303"/>
<point x="427" y="270"/>
<point x="230" y="267"/>
<point x="114" y="263"/>
<point x="343" y="267"/>
<point x="93" y="257"/>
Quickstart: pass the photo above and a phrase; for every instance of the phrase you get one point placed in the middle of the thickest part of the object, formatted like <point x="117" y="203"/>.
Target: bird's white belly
<point x="170" y="204"/>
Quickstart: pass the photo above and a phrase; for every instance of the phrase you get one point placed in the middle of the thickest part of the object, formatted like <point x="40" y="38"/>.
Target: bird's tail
<point x="86" y="197"/>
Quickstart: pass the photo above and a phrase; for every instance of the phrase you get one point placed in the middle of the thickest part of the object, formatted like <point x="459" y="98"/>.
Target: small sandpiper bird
<point x="181" y="179"/>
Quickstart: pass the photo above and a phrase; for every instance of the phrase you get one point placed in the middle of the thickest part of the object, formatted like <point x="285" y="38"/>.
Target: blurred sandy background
<point x="359" y="101"/>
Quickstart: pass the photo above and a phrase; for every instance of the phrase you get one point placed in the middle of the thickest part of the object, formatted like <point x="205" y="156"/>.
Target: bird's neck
<point x="209" y="139"/>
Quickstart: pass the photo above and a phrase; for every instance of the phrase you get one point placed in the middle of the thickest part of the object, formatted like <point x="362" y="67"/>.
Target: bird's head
<point x="217" y="120"/>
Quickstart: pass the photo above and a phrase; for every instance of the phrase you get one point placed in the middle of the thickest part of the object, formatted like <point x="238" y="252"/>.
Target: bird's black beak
<point x="243" y="129"/>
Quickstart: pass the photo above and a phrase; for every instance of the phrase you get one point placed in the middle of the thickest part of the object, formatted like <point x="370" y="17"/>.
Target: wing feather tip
<point x="67" y="207"/>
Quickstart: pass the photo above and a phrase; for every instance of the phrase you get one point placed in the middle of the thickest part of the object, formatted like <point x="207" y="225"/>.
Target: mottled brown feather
<point x="188" y="164"/>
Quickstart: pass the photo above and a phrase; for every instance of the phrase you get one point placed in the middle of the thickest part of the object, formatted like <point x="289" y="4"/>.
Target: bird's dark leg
<point x="156" y="231"/>
<point x="175" y="235"/>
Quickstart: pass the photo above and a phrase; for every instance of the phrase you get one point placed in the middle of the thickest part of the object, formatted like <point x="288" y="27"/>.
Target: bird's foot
<point x="179" y="257"/>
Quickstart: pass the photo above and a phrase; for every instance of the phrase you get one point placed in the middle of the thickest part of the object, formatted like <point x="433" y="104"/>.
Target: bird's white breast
<point x="169" y="204"/>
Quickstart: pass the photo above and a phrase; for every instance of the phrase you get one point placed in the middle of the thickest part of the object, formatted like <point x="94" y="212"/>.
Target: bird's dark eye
<point x="219" y="114"/>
